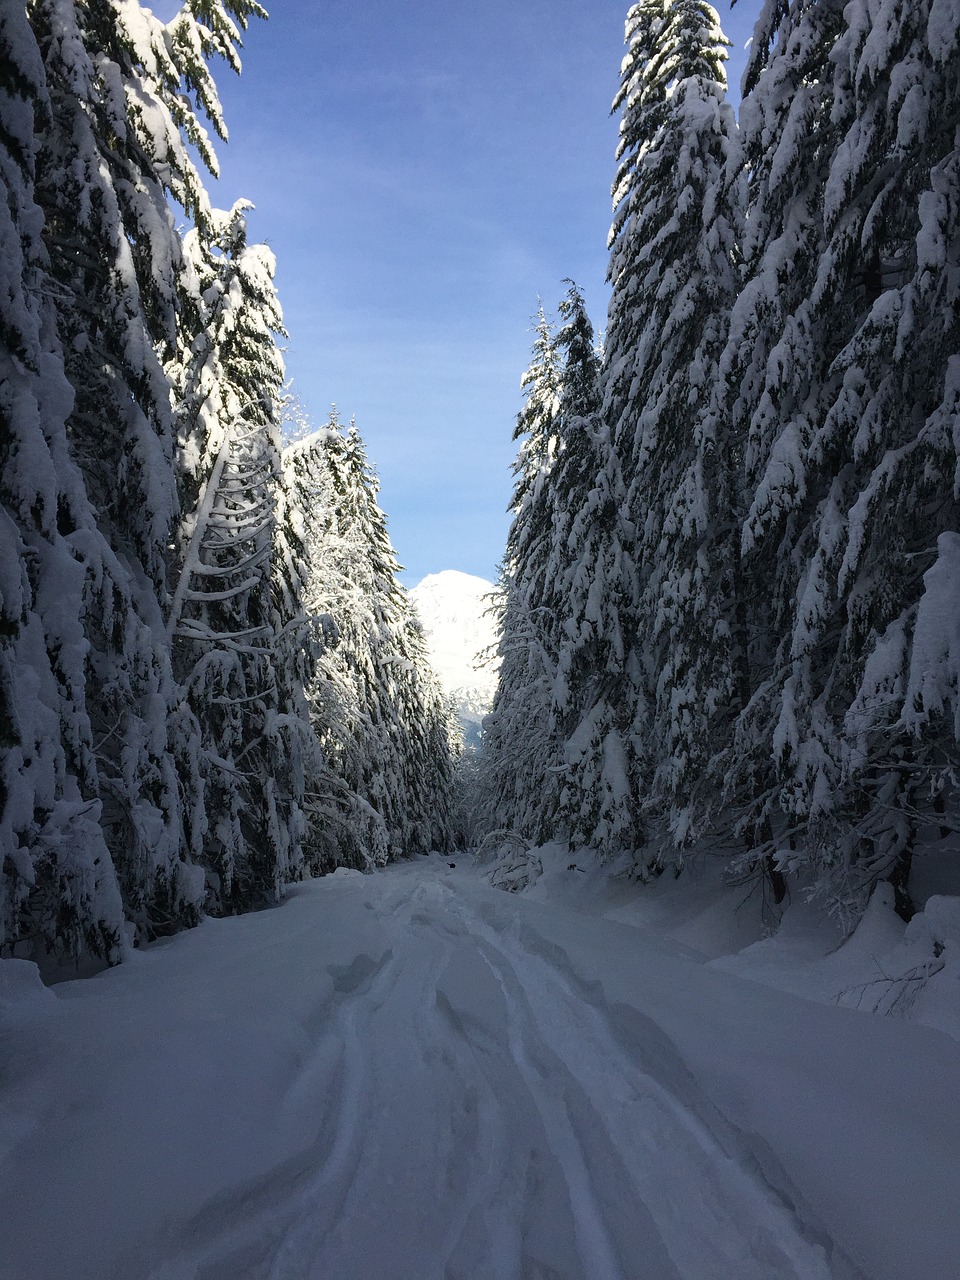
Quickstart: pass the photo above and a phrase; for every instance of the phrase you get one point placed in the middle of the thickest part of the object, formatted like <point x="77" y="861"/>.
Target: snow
<point x="412" y="1075"/>
<point x="935" y="660"/>
<point x="455" y="610"/>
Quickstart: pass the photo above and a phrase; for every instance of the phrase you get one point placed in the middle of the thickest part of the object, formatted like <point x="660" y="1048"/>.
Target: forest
<point x="212" y="681"/>
<point x="266" y="1011"/>
<point x="730" y="595"/>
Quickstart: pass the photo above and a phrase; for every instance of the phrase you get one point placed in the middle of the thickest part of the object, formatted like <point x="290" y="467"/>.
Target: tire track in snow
<point x="713" y="1216"/>
<point x="598" y="1252"/>
<point x="255" y="1229"/>
<point x="484" y="1210"/>
<point x="238" y="1234"/>
<point x="455" y="1181"/>
<point x="549" y="1149"/>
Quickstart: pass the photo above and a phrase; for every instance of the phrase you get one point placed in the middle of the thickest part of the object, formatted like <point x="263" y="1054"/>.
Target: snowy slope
<point x="454" y="609"/>
<point x="412" y="1075"/>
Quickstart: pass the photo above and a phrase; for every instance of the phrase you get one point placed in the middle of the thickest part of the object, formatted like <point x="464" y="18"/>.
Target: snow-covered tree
<point x="385" y="789"/>
<point x="235" y="618"/>
<point x="775" y="355"/>
<point x="556" y="759"/>
<point x="752" y="568"/>
<point x="521" y="753"/>
<point x="676" y="133"/>
<point x="399" y="694"/>
<point x="591" y="591"/>
<point x="58" y="888"/>
<point x="107" y="152"/>
<point x="113" y="254"/>
<point x="862" y="766"/>
<point x="96" y="123"/>
<point x="838" y="375"/>
<point x="344" y="829"/>
<point x="673" y="271"/>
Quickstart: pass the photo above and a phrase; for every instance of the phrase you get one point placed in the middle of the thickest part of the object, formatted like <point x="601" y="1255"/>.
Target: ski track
<point x="548" y="1150"/>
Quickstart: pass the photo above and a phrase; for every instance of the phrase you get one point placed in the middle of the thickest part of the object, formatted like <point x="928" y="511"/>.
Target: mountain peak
<point x="453" y="582"/>
<point x="454" y="608"/>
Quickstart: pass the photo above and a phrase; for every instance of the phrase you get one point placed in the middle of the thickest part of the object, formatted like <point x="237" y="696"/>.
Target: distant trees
<point x="385" y="788"/>
<point x="764" y="503"/>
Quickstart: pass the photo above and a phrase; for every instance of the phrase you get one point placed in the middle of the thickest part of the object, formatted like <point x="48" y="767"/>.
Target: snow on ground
<point x="413" y="1075"/>
<point x="887" y="966"/>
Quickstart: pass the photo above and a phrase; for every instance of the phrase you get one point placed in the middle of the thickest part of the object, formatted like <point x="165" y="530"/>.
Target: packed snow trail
<point x="412" y="1076"/>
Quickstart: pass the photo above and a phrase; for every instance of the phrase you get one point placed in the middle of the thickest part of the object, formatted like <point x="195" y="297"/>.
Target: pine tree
<point x="522" y="757"/>
<point x="101" y="161"/>
<point x="401" y="697"/>
<point x="235" y="616"/>
<point x="58" y="888"/>
<point x="775" y="356"/>
<point x="676" y="133"/>
<point x="838" y="369"/>
<point x="386" y="786"/>
<point x="112" y="250"/>
<point x="344" y="830"/>
<point x="673" y="270"/>
<point x="591" y="585"/>
<point x="862" y="765"/>
<point x="115" y="254"/>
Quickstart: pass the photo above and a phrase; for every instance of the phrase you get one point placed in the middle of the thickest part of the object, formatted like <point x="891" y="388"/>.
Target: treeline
<point x="211" y="682"/>
<point x="731" y="594"/>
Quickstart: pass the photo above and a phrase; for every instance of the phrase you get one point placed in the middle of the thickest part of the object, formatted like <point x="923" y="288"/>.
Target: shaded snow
<point x="412" y="1075"/>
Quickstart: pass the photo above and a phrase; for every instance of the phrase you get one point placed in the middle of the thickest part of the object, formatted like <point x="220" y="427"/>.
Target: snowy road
<point x="412" y="1076"/>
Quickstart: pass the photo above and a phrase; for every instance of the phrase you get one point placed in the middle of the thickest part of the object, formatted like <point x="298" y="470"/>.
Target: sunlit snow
<point x="456" y="612"/>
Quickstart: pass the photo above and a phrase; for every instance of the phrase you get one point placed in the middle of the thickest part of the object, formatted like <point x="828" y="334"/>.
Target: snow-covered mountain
<point x="454" y="609"/>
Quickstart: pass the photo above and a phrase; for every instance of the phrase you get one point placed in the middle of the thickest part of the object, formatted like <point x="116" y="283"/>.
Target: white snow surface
<point x="412" y="1075"/>
<point x="461" y="636"/>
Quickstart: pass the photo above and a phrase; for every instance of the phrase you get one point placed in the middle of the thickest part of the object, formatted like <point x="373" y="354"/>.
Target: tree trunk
<point x="899" y="877"/>
<point x="775" y="877"/>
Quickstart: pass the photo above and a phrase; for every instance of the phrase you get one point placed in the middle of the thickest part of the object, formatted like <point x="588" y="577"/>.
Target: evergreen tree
<point x="557" y="755"/>
<point x="99" y="124"/>
<point x="113" y="252"/>
<point x="592" y="585"/>
<point x="522" y="756"/>
<point x="838" y="375"/>
<point x="345" y="829"/>
<point x="673" y="270"/>
<point x="401" y="698"/>
<point x="234" y="626"/>
<point x="861" y="767"/>
<point x="58" y="888"/>
<point x="775" y="356"/>
<point x="736" y="569"/>
<point x="385" y="788"/>
<point x="676" y="133"/>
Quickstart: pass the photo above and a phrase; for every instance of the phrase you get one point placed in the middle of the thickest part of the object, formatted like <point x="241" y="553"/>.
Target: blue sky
<point x="425" y="172"/>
